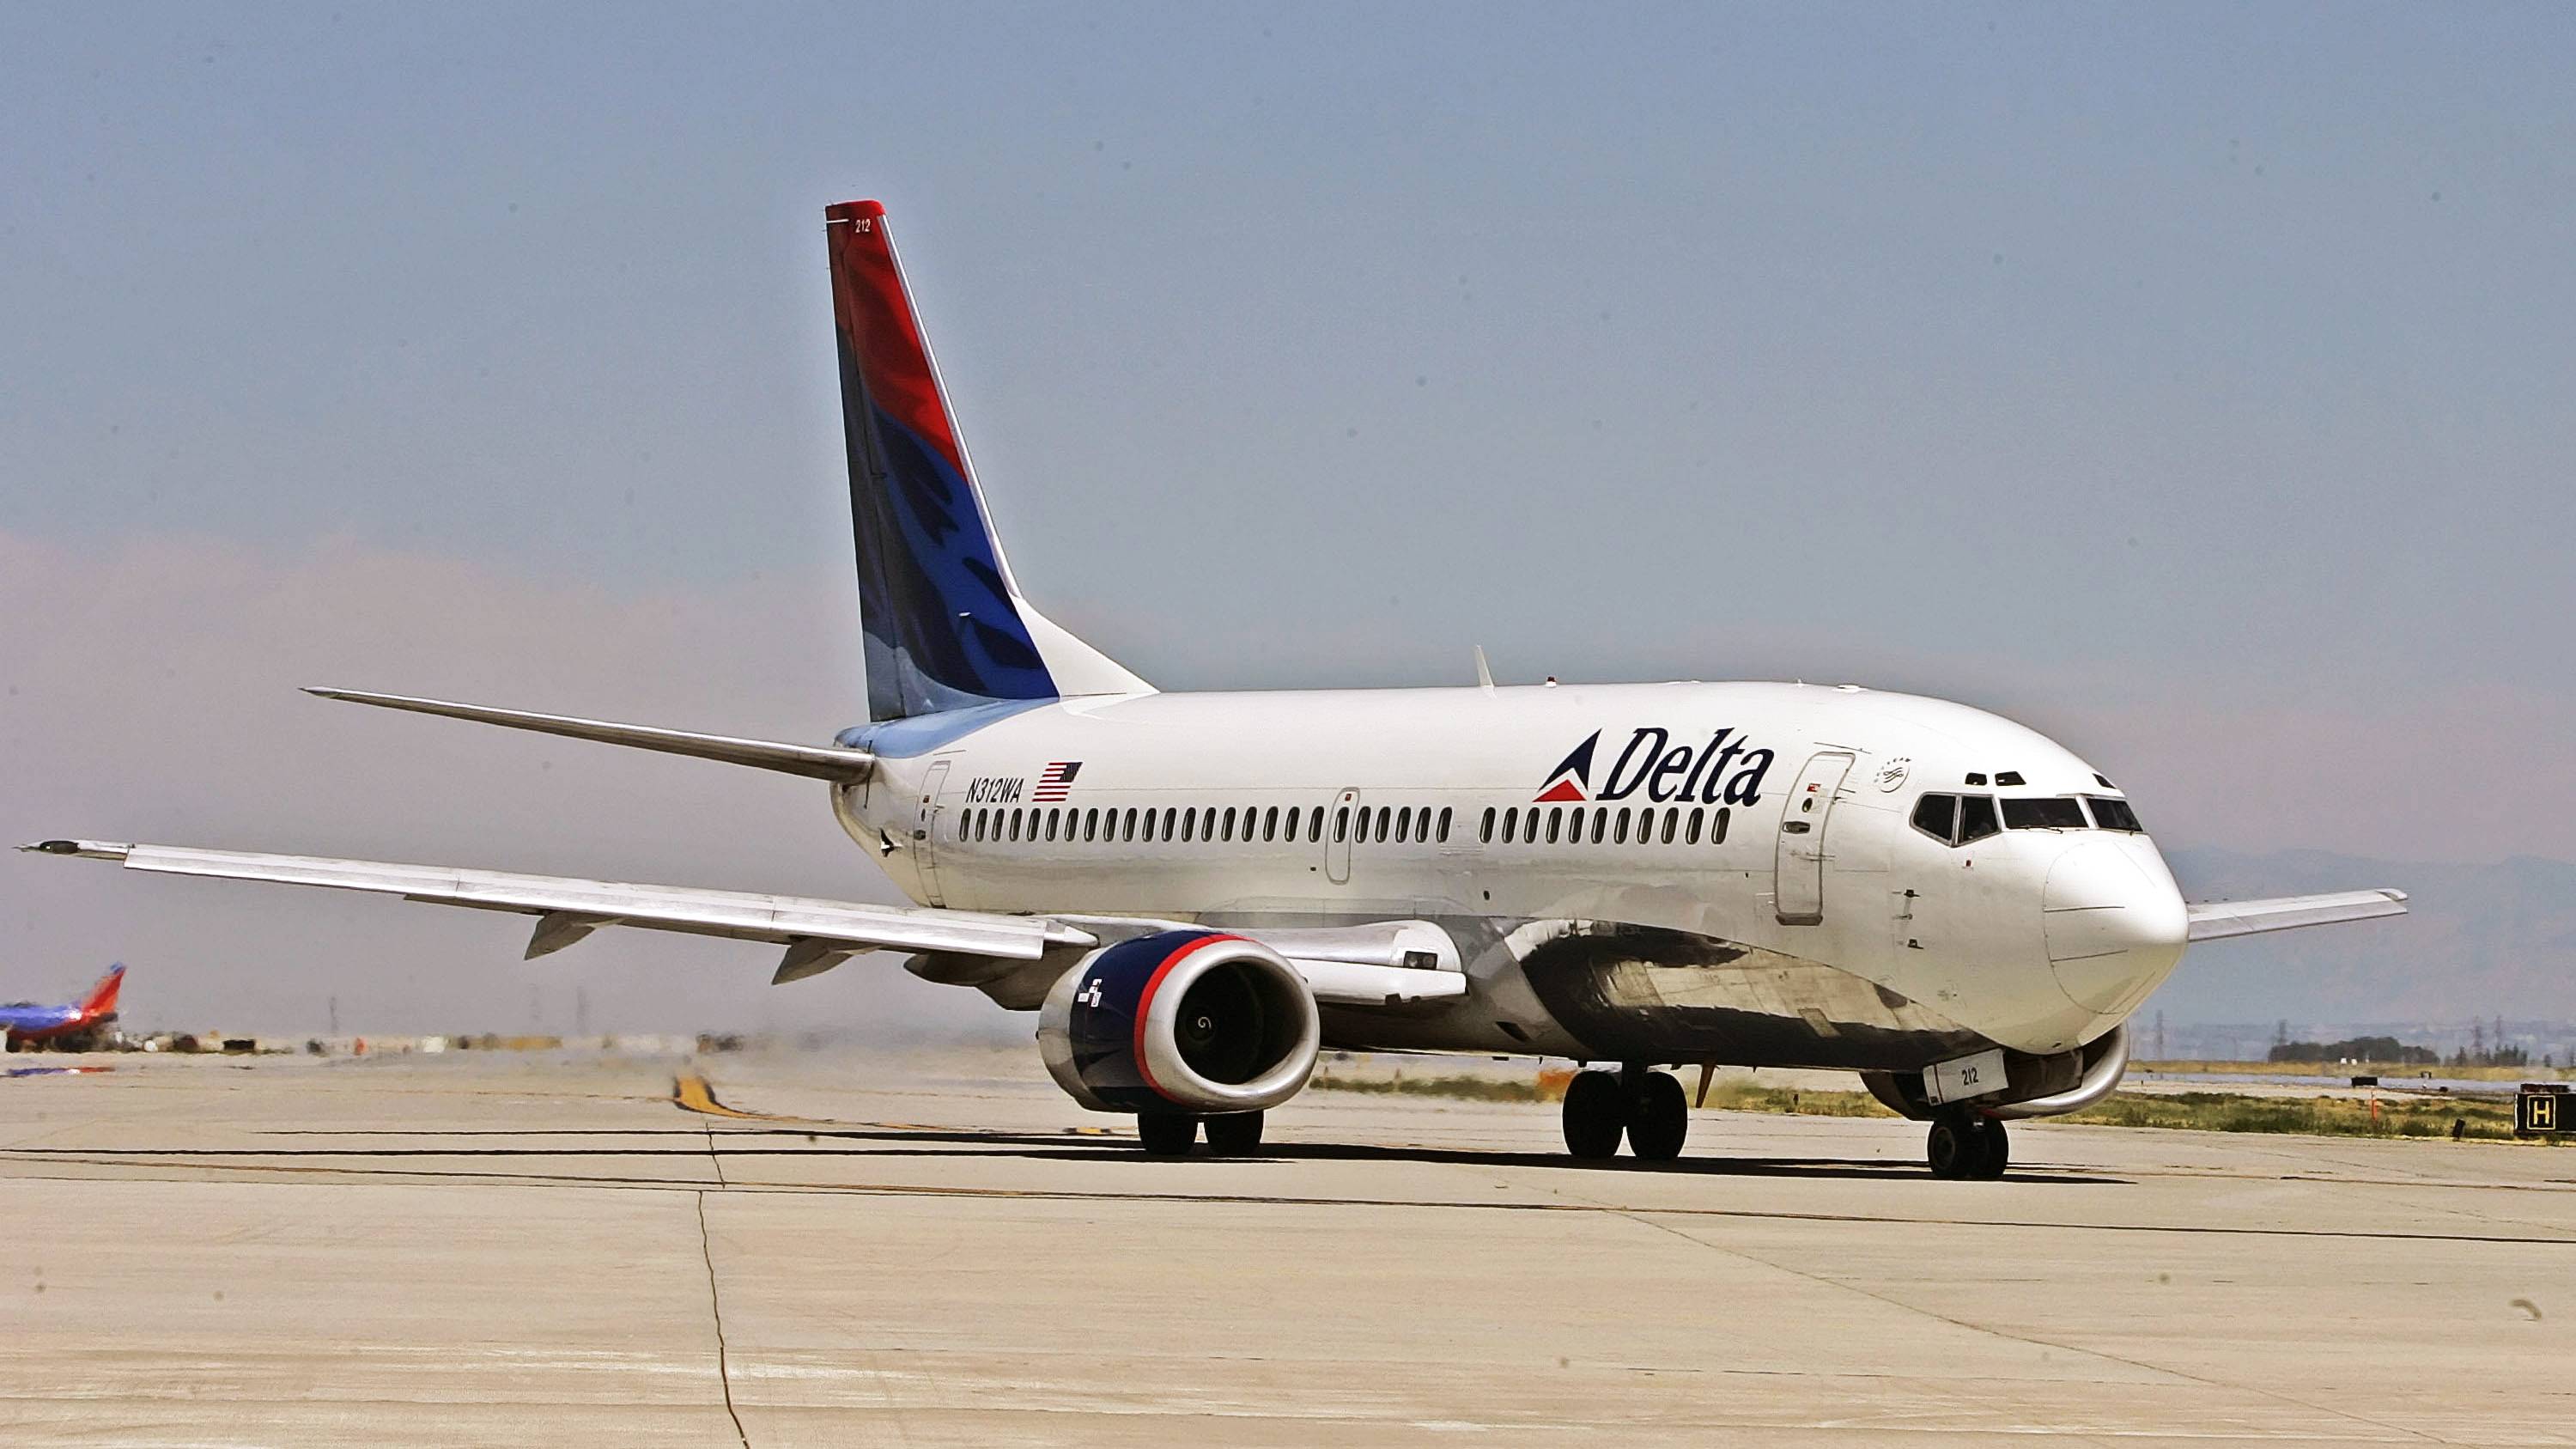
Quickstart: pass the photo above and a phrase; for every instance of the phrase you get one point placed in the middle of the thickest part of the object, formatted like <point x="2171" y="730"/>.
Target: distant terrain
<point x="2482" y="941"/>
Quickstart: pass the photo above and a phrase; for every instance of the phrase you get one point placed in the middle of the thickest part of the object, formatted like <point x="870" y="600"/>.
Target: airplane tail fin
<point x="102" y="998"/>
<point x="946" y="626"/>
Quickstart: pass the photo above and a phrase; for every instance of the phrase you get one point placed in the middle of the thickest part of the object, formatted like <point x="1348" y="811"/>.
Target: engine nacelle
<point x="1198" y="1021"/>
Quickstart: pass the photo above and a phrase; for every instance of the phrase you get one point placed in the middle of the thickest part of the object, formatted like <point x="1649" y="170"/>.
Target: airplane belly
<point x="1649" y="994"/>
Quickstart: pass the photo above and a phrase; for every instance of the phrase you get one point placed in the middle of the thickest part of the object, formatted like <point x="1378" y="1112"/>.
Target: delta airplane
<point x="1196" y="893"/>
<point x="70" y="1027"/>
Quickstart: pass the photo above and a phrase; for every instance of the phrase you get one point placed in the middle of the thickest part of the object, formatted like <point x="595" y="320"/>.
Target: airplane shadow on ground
<point x="960" y="1142"/>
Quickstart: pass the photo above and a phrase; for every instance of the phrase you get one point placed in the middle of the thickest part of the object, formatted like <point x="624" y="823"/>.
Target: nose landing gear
<point x="1964" y="1147"/>
<point x="1646" y="1107"/>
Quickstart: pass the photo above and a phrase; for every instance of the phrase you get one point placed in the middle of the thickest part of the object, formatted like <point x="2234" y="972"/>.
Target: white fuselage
<point x="1733" y="874"/>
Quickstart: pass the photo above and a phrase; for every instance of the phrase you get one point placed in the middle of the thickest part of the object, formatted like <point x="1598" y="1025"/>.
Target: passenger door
<point x="925" y="832"/>
<point x="1798" y="864"/>
<point x="1342" y="823"/>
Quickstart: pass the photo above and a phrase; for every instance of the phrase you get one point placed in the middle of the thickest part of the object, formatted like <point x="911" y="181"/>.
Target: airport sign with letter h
<point x="2544" y="1107"/>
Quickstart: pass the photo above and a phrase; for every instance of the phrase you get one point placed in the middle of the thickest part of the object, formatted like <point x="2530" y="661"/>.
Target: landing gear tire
<point x="1998" y="1153"/>
<point x="1961" y="1148"/>
<point x="1167" y="1134"/>
<point x="1659" y="1118"/>
<point x="1596" y="1114"/>
<point x="1234" y="1134"/>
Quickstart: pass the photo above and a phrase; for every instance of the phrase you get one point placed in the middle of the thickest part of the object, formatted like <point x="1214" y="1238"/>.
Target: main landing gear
<point x="1172" y="1134"/>
<point x="1962" y="1145"/>
<point x="1646" y="1107"/>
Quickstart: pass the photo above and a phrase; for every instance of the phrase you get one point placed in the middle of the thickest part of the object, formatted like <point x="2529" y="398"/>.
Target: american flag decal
<point x="1056" y="781"/>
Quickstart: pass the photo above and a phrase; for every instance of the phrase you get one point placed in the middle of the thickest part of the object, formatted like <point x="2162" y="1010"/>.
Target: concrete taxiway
<point x="939" y="1249"/>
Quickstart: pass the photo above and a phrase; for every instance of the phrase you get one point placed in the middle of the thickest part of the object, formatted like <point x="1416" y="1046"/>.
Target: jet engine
<point x="1195" y="1021"/>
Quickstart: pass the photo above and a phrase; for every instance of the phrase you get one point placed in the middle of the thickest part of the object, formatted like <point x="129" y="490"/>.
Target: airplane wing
<point x="2217" y="920"/>
<point x="818" y="934"/>
<point x="1386" y="964"/>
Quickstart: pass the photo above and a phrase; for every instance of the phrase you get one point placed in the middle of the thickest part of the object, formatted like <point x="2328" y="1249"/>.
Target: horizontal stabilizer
<point x="820" y="762"/>
<point x="2217" y="920"/>
<point x="570" y="908"/>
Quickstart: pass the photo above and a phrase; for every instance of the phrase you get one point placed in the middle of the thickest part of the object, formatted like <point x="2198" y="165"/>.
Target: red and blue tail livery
<point x="943" y="624"/>
<point x="25" y="1021"/>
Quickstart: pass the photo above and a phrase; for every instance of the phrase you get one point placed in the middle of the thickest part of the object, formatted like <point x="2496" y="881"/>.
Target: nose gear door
<point x="1798" y="863"/>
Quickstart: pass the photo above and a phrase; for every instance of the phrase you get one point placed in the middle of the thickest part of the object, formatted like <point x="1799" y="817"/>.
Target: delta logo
<point x="1721" y="771"/>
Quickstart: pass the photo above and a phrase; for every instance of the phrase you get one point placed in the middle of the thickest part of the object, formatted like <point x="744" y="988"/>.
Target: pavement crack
<point x="715" y="1306"/>
<point x="1677" y="1230"/>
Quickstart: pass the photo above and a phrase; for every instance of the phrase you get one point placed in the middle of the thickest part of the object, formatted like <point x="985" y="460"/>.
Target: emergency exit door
<point x="1798" y="864"/>
<point x="925" y="833"/>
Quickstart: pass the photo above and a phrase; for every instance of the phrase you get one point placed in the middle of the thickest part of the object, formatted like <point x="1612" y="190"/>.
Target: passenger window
<point x="1422" y="824"/>
<point x="1091" y="825"/>
<point x="1938" y="817"/>
<point x="1511" y="826"/>
<point x="1341" y="823"/>
<point x="1555" y="822"/>
<point x="1671" y="819"/>
<point x="1574" y="826"/>
<point x="1977" y="817"/>
<point x="1227" y="833"/>
<point x="1127" y="830"/>
<point x="2113" y="814"/>
<point x="1444" y="825"/>
<point x="1403" y="826"/>
<point x="1717" y="826"/>
<point x="1015" y="824"/>
<point x="1600" y="825"/>
<point x="1315" y="825"/>
<point x="1485" y="828"/>
<point x="1690" y="832"/>
<point x="1621" y="836"/>
<point x="2054" y="813"/>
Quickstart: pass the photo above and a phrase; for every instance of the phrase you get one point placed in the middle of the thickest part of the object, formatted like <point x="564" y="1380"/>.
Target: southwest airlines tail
<point x="946" y="626"/>
<point x="101" y="1001"/>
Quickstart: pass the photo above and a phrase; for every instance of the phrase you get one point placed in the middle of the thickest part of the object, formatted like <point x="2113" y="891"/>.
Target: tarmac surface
<point x="939" y="1249"/>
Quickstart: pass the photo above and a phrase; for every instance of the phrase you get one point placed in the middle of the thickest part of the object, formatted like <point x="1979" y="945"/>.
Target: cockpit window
<point x="1977" y="818"/>
<point x="2113" y="814"/>
<point x="2059" y="812"/>
<point x="1957" y="819"/>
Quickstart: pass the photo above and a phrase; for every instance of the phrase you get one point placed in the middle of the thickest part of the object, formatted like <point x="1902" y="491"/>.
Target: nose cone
<point x="2114" y="923"/>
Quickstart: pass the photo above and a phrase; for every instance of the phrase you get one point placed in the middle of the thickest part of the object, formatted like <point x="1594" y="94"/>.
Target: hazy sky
<point x="2192" y="383"/>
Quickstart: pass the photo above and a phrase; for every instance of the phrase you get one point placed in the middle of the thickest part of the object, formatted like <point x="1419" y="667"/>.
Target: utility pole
<point x="2160" y="1035"/>
<point x="335" y="1016"/>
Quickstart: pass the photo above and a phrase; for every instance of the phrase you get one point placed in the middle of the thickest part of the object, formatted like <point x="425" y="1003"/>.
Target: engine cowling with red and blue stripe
<point x="1195" y="1021"/>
